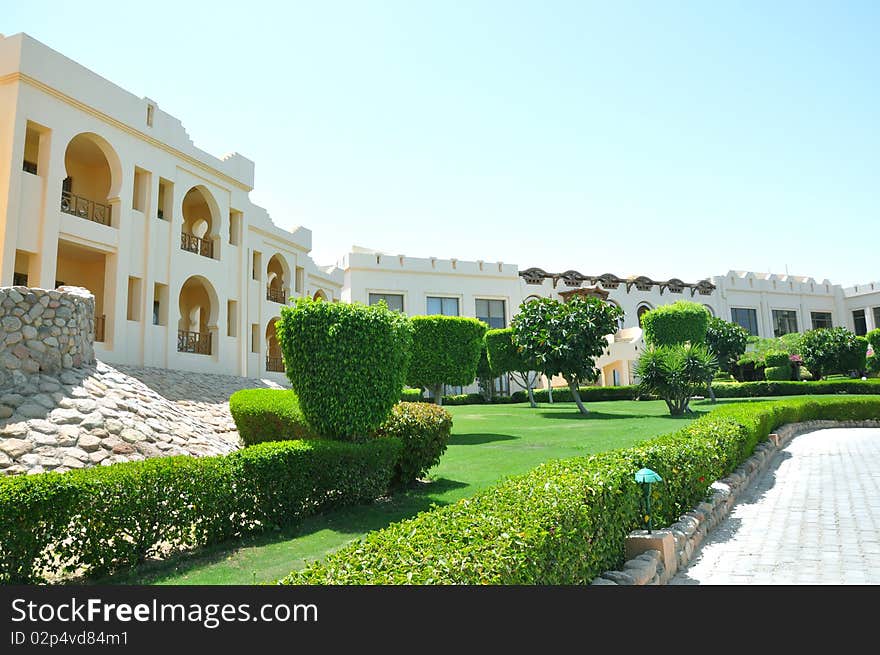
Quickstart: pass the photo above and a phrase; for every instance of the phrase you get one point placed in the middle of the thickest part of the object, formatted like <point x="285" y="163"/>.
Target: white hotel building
<point x="102" y="189"/>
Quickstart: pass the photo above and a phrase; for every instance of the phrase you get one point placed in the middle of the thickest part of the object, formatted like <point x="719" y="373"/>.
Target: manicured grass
<point x="488" y="442"/>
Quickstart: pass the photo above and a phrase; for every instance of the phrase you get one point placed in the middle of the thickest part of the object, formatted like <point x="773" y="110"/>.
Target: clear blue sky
<point x="660" y="138"/>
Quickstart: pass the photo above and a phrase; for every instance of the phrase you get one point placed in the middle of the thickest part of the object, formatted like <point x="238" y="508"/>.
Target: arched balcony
<point x="277" y="280"/>
<point x="274" y="360"/>
<point x="94" y="176"/>
<point x="197" y="327"/>
<point x="201" y="218"/>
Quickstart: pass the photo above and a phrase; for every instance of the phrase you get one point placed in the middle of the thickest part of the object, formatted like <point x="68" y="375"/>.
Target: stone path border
<point x="654" y="559"/>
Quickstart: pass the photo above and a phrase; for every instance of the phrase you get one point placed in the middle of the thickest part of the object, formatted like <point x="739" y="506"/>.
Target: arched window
<point x="198" y="306"/>
<point x="94" y="176"/>
<point x="643" y="309"/>
<point x="710" y="310"/>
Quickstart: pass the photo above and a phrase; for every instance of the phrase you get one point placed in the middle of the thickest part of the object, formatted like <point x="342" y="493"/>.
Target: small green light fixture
<point x="647" y="477"/>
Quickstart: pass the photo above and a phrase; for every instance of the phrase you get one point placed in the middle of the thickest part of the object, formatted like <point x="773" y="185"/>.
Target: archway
<point x="319" y="295"/>
<point x="94" y="177"/>
<point x="201" y="222"/>
<point x="274" y="360"/>
<point x="197" y="326"/>
<point x="277" y="279"/>
<point x="643" y="309"/>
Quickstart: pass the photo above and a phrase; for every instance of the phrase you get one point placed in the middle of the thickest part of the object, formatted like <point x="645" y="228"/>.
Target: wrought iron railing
<point x="274" y="364"/>
<point x="277" y="294"/>
<point x="194" y="342"/>
<point x="85" y="208"/>
<point x="192" y="243"/>
<point x="100" y="326"/>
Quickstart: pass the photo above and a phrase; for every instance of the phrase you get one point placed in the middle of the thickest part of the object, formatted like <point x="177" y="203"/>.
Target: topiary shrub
<point x="411" y="396"/>
<point x="506" y="357"/>
<point x="873" y="338"/>
<point x="680" y="322"/>
<point x="777" y="358"/>
<point x="726" y="340"/>
<point x="347" y="363"/>
<point x="831" y="350"/>
<point x="853" y="358"/>
<point x="445" y="350"/>
<point x="778" y="373"/>
<point x="268" y="415"/>
<point x="423" y="429"/>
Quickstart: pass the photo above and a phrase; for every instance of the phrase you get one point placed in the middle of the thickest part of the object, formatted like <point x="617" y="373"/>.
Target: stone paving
<point x="813" y="517"/>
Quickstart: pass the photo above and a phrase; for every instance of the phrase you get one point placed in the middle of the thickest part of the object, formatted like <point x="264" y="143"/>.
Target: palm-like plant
<point x="675" y="373"/>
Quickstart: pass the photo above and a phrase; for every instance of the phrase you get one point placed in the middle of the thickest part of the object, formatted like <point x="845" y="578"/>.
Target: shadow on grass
<point x="354" y="520"/>
<point x="476" y="438"/>
<point x="604" y="416"/>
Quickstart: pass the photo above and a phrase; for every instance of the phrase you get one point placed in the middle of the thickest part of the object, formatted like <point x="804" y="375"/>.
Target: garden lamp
<point x="647" y="477"/>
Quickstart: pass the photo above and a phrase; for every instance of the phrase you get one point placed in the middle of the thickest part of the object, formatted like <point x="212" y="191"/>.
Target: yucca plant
<point x="675" y="373"/>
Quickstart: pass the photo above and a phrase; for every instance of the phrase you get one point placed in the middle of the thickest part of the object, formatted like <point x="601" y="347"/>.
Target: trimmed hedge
<point x="411" y="396"/>
<point x="803" y="388"/>
<point x="777" y="358"/>
<point x="98" y="520"/>
<point x="346" y="362"/>
<point x="445" y="350"/>
<point x="268" y="415"/>
<point x="423" y="430"/>
<point x="777" y="373"/>
<point x="680" y="322"/>
<point x="588" y="394"/>
<point x="566" y="521"/>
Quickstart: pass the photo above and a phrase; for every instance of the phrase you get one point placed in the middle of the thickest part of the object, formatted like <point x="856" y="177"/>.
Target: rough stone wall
<point x="43" y="331"/>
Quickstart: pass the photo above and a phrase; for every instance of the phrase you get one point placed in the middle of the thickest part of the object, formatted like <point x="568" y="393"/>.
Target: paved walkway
<point x="813" y="517"/>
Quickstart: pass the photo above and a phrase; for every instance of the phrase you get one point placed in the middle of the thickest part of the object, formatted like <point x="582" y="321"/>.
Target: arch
<point x="199" y="307"/>
<point x="710" y="310"/>
<point x="319" y="295"/>
<point x="277" y="279"/>
<point x="201" y="213"/>
<point x="531" y="298"/>
<point x="274" y="360"/>
<point x="642" y="309"/>
<point x="94" y="175"/>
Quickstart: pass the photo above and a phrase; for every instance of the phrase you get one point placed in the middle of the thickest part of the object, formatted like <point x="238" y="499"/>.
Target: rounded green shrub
<point x="776" y="358"/>
<point x="424" y="429"/>
<point x="347" y="363"/>
<point x="411" y="395"/>
<point x="268" y="415"/>
<point x="874" y="339"/>
<point x="445" y="350"/>
<point x="777" y="373"/>
<point x="680" y="322"/>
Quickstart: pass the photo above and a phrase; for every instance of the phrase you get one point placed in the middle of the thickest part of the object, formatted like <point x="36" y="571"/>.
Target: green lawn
<point x="488" y="442"/>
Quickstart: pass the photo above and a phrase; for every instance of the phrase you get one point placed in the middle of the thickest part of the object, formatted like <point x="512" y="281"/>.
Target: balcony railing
<point x="192" y="243"/>
<point x="277" y="294"/>
<point x="85" y="208"/>
<point x="194" y="342"/>
<point x="100" y="326"/>
<point x="275" y="364"/>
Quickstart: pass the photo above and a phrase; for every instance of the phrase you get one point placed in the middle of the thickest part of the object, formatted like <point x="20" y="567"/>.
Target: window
<point x="141" y="187"/>
<point x="710" y="310"/>
<point x="877" y="317"/>
<point x="235" y="217"/>
<point x="133" y="312"/>
<point x="160" y="304"/>
<point x="393" y="300"/>
<point x="31" y="149"/>
<point x="443" y="306"/>
<point x="299" y="279"/>
<point x="784" y="322"/>
<point x="641" y="311"/>
<point x="150" y="111"/>
<point x="746" y="318"/>
<point x="166" y="188"/>
<point x="231" y="318"/>
<point x="491" y="312"/>
<point x="257" y="265"/>
<point x="859" y="322"/>
<point x="255" y="338"/>
<point x="19" y="279"/>
<point x="820" y="320"/>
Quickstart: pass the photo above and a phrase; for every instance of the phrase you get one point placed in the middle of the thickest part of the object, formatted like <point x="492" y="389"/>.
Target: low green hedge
<point x="776" y="358"/>
<point x="802" y="388"/>
<point x="777" y="373"/>
<point x="101" y="519"/>
<point x="595" y="394"/>
<point x="411" y="396"/>
<point x="423" y="429"/>
<point x="566" y="521"/>
<point x="268" y="415"/>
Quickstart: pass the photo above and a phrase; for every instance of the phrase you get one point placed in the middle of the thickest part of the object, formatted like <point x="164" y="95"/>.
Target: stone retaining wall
<point x="43" y="331"/>
<point x="682" y="538"/>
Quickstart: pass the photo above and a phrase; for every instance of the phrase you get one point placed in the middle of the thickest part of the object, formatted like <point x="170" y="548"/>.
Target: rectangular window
<point x="150" y="111"/>
<point x="393" y="300"/>
<point x="256" y="265"/>
<point x="255" y="338"/>
<point x="166" y="189"/>
<point x="235" y="221"/>
<point x="877" y="317"/>
<point x="141" y="189"/>
<point x="746" y="318"/>
<point x="231" y="318"/>
<point x="21" y="268"/>
<point x="31" y="160"/>
<point x="859" y="322"/>
<point x="160" y="304"/>
<point x="491" y="312"/>
<point x="820" y="320"/>
<point x="442" y="306"/>
<point x="299" y="279"/>
<point x="784" y="322"/>
<point x="133" y="312"/>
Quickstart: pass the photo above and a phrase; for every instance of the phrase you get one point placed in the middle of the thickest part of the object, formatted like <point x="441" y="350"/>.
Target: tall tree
<point x="566" y="338"/>
<point x="506" y="357"/>
<point x="727" y="341"/>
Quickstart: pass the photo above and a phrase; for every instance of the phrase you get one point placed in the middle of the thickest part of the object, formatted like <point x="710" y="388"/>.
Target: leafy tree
<point x="346" y="362"/>
<point x="854" y="357"/>
<point x="680" y="322"/>
<point x="726" y="340"/>
<point x="506" y="357"/>
<point x="831" y="350"/>
<point x="484" y="375"/>
<point x="566" y="338"/>
<point x="675" y="373"/>
<point x="445" y="350"/>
